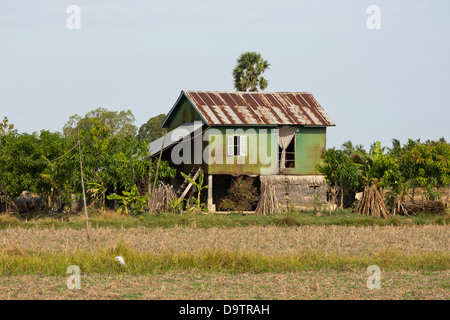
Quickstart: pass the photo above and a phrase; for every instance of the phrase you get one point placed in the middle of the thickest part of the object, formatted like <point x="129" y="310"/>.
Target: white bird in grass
<point x="121" y="261"/>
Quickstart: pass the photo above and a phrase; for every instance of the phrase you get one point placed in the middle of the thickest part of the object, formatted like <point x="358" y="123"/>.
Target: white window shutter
<point x="230" y="145"/>
<point x="243" y="146"/>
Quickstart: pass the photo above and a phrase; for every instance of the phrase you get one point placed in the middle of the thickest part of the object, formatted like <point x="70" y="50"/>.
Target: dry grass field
<point x="306" y="262"/>
<point x="265" y="240"/>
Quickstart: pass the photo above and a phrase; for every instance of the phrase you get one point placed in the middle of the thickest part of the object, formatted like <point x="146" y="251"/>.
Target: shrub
<point x="242" y="195"/>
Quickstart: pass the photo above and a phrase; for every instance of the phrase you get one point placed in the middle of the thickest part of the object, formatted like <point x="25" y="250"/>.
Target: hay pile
<point x="164" y="194"/>
<point x="413" y="207"/>
<point x="268" y="203"/>
<point x="372" y="204"/>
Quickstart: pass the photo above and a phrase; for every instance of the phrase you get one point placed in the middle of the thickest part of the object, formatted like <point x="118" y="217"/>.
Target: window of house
<point x="237" y="145"/>
<point x="289" y="155"/>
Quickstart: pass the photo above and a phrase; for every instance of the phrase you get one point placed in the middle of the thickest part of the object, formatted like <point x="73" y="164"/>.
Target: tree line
<point x="115" y="158"/>
<point x="396" y="170"/>
<point x="115" y="153"/>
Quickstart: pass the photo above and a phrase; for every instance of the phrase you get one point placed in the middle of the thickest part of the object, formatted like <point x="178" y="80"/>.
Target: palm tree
<point x="396" y="148"/>
<point x="348" y="148"/>
<point x="376" y="148"/>
<point x="247" y="73"/>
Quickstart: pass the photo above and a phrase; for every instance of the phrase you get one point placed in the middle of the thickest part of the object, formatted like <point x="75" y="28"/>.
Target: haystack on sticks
<point x="164" y="194"/>
<point x="268" y="203"/>
<point x="372" y="204"/>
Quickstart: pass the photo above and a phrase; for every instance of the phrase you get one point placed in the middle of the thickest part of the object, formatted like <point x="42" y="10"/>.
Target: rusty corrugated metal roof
<point x="259" y="108"/>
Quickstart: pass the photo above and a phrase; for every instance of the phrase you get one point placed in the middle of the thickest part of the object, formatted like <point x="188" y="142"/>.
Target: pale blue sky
<point x="139" y="55"/>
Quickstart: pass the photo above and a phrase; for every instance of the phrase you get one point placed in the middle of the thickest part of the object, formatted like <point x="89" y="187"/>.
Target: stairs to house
<point x="186" y="185"/>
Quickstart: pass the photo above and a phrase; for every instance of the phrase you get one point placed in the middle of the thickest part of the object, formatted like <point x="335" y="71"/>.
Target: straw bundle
<point x="372" y="204"/>
<point x="268" y="203"/>
<point x="164" y="194"/>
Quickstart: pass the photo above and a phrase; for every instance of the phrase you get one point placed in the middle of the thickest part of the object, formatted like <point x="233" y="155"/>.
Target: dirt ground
<point x="351" y="284"/>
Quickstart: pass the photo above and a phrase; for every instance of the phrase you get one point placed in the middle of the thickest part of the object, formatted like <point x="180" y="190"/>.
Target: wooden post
<point x="448" y="195"/>
<point x="156" y="174"/>
<point x="82" y="186"/>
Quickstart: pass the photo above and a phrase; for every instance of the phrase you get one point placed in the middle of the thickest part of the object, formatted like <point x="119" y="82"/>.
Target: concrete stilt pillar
<point x="211" y="207"/>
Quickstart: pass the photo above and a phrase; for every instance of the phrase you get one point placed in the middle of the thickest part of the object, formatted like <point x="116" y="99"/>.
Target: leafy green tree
<point x="47" y="163"/>
<point x="115" y="162"/>
<point x="413" y="165"/>
<point x="386" y="173"/>
<point x="436" y="166"/>
<point x="418" y="166"/>
<point x="423" y="179"/>
<point x="98" y="147"/>
<point x="36" y="163"/>
<point x="20" y="166"/>
<point x="333" y="160"/>
<point x="58" y="175"/>
<point x="165" y="171"/>
<point x="152" y="130"/>
<point x="118" y="122"/>
<point x="5" y="127"/>
<point x="409" y="164"/>
<point x="340" y="173"/>
<point x="248" y="72"/>
<point x="385" y="170"/>
<point x="130" y="161"/>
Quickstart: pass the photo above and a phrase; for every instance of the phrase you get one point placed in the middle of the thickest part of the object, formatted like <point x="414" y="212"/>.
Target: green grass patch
<point x="210" y="261"/>
<point x="169" y="220"/>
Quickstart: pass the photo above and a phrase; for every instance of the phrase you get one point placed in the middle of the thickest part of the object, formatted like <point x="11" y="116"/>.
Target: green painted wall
<point x="254" y="163"/>
<point x="183" y="114"/>
<point x="310" y="142"/>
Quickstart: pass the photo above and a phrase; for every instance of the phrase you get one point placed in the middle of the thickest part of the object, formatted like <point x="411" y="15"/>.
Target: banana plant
<point x="198" y="206"/>
<point x="98" y="191"/>
<point x="130" y="200"/>
<point x="176" y="205"/>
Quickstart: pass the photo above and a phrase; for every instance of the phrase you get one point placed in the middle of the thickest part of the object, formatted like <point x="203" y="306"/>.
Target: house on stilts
<point x="277" y="137"/>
